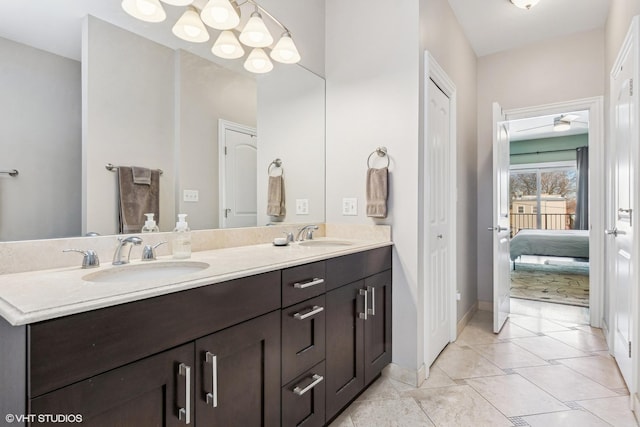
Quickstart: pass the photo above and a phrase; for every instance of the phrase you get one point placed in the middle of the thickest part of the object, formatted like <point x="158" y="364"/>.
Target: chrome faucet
<point x="309" y="232"/>
<point x="119" y="257"/>
<point x="149" y="251"/>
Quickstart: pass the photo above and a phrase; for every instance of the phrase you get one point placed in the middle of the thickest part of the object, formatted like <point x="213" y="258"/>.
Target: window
<point x="534" y="209"/>
<point x="520" y="209"/>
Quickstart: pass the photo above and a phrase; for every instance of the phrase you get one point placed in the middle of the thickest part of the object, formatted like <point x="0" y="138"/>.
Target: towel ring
<point x="277" y="163"/>
<point x="381" y="152"/>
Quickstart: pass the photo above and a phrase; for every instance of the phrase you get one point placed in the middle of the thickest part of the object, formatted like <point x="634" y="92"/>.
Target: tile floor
<point x="536" y="372"/>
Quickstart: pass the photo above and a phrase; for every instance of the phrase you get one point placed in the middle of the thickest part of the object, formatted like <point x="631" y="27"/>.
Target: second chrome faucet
<point x="121" y="255"/>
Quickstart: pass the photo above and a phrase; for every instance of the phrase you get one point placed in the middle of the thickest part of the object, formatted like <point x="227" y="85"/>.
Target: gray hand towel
<point x="377" y="192"/>
<point x="134" y="200"/>
<point x="141" y="175"/>
<point x="275" y="197"/>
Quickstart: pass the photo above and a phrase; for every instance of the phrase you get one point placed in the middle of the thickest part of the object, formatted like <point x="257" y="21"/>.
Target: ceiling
<point x="496" y="25"/>
<point x="542" y="127"/>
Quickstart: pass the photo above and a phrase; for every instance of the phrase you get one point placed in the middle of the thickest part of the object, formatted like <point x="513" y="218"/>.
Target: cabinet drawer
<point x="350" y="268"/>
<point x="303" y="337"/>
<point x="303" y="282"/>
<point x="303" y="399"/>
<point x="72" y="348"/>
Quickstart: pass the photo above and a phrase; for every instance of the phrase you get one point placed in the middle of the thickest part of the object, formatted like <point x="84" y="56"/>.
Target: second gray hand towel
<point x="377" y="192"/>
<point x="275" y="198"/>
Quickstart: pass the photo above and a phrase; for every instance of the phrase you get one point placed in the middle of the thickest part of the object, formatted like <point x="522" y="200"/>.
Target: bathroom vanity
<point x="289" y="346"/>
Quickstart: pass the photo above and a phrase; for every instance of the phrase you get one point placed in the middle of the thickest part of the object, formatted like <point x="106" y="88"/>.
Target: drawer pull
<point x="314" y="310"/>
<point x="363" y="315"/>
<point x="317" y="379"/>
<point x="184" y="414"/>
<point x="212" y="398"/>
<point x="313" y="282"/>
<point x="372" y="310"/>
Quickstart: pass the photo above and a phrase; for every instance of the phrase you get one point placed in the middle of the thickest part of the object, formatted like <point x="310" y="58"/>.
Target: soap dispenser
<point x="150" y="225"/>
<point x="181" y="244"/>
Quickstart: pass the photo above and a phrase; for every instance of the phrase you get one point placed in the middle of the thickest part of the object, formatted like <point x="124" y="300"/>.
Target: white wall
<point x="373" y="84"/>
<point x="443" y="37"/>
<point x="205" y="92"/>
<point x="562" y="69"/>
<point x="127" y="116"/>
<point x="291" y="126"/>
<point x="39" y="136"/>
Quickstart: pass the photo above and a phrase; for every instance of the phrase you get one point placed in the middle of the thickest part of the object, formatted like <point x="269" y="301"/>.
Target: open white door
<point x="620" y="241"/>
<point x="500" y="226"/>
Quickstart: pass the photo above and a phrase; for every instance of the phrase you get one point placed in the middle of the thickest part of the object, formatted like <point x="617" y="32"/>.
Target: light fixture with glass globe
<point x="224" y="15"/>
<point x="190" y="28"/>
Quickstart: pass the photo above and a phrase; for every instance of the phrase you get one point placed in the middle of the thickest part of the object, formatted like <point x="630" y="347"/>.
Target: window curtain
<point x="582" y="195"/>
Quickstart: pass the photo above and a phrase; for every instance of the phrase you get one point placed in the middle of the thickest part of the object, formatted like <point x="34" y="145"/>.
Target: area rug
<point x="562" y="284"/>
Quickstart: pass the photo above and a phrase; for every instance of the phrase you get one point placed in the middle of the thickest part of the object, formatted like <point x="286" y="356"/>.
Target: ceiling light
<point x="227" y="46"/>
<point x="144" y="10"/>
<point x="285" y="50"/>
<point x="190" y="28"/>
<point x="255" y="33"/>
<point x="178" y="2"/>
<point x="258" y="62"/>
<point x="524" y="4"/>
<point x="220" y="14"/>
<point x="559" y="125"/>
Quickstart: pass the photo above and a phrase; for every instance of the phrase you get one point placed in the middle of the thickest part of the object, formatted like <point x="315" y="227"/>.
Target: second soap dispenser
<point x="150" y="225"/>
<point x="181" y="242"/>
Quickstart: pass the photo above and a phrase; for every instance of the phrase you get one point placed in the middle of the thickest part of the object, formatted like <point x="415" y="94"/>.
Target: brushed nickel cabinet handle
<point x="317" y="379"/>
<point x="184" y="414"/>
<point x="212" y="398"/>
<point x="313" y="282"/>
<point x="314" y="310"/>
<point x="372" y="310"/>
<point x="363" y="315"/>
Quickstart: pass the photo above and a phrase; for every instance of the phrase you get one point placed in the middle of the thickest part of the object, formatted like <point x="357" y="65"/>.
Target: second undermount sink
<point x="146" y="272"/>
<point x="325" y="243"/>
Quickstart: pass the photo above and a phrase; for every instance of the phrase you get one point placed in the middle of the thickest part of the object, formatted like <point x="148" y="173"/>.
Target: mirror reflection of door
<point x="238" y="175"/>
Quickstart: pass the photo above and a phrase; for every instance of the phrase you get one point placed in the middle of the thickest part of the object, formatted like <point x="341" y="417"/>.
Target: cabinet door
<point x="238" y="375"/>
<point x="377" y="327"/>
<point x="344" y="342"/>
<point x="158" y="391"/>
<point x="303" y="399"/>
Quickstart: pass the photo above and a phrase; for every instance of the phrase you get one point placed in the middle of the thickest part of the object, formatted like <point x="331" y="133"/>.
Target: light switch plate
<point x="190" y="195"/>
<point x="302" y="206"/>
<point x="349" y="206"/>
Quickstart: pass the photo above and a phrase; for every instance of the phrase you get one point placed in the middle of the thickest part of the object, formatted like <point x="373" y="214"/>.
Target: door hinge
<point x="631" y="87"/>
<point x="629" y="349"/>
<point x="225" y="150"/>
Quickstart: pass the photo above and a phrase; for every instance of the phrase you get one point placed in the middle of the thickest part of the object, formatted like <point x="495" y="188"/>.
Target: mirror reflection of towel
<point x="377" y="192"/>
<point x="275" y="197"/>
<point x="134" y="200"/>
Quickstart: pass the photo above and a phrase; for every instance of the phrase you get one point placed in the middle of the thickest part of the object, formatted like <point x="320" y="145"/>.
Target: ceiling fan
<point x="560" y="123"/>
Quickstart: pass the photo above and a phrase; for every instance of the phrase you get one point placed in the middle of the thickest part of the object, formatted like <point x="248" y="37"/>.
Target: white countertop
<point x="46" y="294"/>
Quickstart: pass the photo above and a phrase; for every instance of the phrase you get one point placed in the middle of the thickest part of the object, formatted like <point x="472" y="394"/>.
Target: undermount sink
<point x="325" y="243"/>
<point x="145" y="272"/>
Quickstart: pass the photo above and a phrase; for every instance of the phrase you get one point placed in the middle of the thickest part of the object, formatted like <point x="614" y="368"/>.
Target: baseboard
<point x="636" y="407"/>
<point x="465" y="319"/>
<point x="485" y="306"/>
<point x="411" y="377"/>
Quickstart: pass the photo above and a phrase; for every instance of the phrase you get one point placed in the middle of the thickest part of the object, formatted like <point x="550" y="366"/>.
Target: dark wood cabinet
<point x="377" y="327"/>
<point x="345" y="346"/>
<point x="358" y="337"/>
<point x="238" y="375"/>
<point x="157" y="390"/>
<point x="289" y="347"/>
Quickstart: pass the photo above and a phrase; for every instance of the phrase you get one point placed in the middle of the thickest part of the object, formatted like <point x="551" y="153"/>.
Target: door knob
<point x="614" y="232"/>
<point x="497" y="228"/>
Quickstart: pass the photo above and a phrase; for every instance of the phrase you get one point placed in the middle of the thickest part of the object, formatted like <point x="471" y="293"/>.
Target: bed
<point x="560" y="243"/>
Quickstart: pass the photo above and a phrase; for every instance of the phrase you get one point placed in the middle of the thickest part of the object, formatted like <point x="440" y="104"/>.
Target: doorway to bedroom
<point x="549" y="214"/>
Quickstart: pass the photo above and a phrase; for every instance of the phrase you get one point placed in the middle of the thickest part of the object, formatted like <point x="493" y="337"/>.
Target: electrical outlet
<point x="190" y="195"/>
<point x="349" y="206"/>
<point x="302" y="206"/>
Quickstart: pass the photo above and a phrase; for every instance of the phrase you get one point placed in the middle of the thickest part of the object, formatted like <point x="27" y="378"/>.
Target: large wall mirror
<point x="85" y="85"/>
